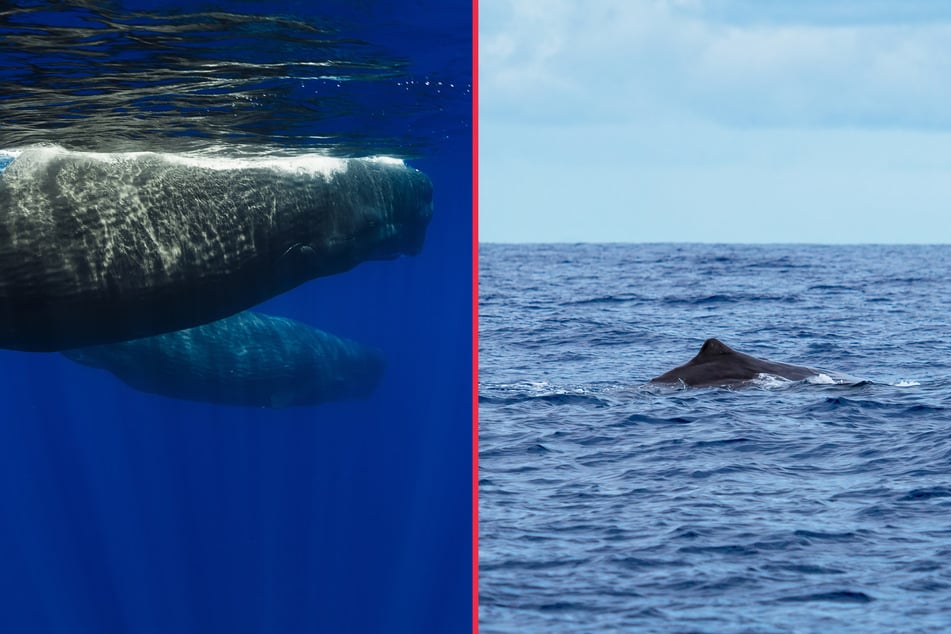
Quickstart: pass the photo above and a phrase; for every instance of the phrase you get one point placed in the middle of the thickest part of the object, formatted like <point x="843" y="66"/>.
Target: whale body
<point x="100" y="248"/>
<point x="248" y="359"/>
<point x="719" y="364"/>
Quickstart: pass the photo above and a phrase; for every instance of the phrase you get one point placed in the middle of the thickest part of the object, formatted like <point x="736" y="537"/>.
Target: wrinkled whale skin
<point x="248" y="359"/>
<point x="718" y="364"/>
<point x="100" y="248"/>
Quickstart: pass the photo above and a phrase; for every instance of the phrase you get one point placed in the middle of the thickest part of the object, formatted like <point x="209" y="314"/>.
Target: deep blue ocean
<point x="609" y="505"/>
<point x="122" y="511"/>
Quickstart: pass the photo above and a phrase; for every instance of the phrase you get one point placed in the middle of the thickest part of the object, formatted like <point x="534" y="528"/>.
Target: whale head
<point x="378" y="210"/>
<point x="396" y="223"/>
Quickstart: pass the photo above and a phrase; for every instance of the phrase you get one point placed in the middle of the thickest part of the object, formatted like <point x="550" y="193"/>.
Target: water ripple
<point x="714" y="510"/>
<point x="113" y="79"/>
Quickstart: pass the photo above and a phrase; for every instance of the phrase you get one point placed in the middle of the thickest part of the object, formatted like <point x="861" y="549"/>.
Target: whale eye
<point x="299" y="259"/>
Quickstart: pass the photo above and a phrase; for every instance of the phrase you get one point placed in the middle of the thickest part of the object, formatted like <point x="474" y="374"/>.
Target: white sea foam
<point x="305" y="163"/>
<point x="538" y="388"/>
<point x="215" y="159"/>
<point x="906" y="383"/>
<point x="770" y="381"/>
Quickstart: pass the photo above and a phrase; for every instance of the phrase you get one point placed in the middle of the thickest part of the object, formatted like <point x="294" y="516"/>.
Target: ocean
<point x="124" y="511"/>
<point x="610" y="505"/>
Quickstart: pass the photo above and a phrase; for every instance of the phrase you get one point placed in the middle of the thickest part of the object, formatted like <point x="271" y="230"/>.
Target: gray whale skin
<point x="719" y="364"/>
<point x="100" y="248"/>
<point x="248" y="359"/>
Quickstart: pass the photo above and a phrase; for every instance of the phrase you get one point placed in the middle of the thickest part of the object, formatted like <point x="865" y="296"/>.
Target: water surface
<point x="610" y="505"/>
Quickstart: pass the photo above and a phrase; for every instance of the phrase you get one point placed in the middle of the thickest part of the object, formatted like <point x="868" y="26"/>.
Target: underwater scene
<point x="236" y="316"/>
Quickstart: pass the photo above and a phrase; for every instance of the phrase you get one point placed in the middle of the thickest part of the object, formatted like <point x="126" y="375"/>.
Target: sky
<point x="743" y="121"/>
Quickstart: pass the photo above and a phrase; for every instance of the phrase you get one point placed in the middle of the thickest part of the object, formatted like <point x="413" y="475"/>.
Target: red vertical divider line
<point x="475" y="316"/>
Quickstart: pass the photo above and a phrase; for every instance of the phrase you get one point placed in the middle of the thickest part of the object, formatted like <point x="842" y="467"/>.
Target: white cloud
<point x="630" y="61"/>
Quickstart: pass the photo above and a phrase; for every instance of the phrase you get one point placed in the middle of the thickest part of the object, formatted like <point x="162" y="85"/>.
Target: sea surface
<point x="122" y="511"/>
<point x="610" y="505"/>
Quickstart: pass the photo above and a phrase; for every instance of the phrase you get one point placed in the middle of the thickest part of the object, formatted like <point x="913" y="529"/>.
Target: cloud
<point x="828" y="12"/>
<point x="640" y="61"/>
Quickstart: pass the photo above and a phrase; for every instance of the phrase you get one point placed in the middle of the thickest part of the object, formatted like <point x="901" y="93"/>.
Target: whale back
<point x="718" y="364"/>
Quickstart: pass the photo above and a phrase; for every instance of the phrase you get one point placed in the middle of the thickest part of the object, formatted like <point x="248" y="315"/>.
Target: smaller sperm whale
<point x="248" y="359"/>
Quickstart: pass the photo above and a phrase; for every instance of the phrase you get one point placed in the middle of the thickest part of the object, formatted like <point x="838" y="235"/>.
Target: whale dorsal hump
<point x="713" y="347"/>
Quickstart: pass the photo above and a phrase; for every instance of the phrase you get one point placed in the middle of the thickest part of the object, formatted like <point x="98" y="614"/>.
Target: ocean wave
<point x="721" y="510"/>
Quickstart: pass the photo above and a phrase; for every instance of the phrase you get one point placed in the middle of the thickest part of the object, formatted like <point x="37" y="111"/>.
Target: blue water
<point x="608" y="505"/>
<point x="127" y="512"/>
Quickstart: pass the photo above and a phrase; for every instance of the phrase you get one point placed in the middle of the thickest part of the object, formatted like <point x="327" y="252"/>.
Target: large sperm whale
<point x="100" y="248"/>
<point x="247" y="359"/>
<point x="719" y="364"/>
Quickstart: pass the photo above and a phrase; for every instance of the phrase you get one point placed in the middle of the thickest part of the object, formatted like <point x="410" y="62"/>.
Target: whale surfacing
<point x="719" y="364"/>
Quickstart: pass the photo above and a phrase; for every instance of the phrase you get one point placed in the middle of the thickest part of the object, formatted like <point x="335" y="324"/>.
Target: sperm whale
<point x="249" y="359"/>
<point x="719" y="364"/>
<point x="100" y="248"/>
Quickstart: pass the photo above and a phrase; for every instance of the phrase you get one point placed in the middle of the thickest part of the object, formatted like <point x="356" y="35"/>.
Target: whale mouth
<point x="406" y="243"/>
